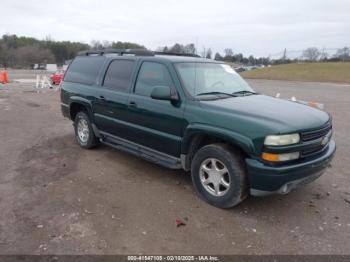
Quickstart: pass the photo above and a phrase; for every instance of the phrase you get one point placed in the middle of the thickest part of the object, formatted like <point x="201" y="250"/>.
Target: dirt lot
<point x="56" y="198"/>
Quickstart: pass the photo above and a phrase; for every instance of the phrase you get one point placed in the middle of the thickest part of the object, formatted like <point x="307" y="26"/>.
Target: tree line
<point x="313" y="54"/>
<point x="23" y="52"/>
<point x="228" y="56"/>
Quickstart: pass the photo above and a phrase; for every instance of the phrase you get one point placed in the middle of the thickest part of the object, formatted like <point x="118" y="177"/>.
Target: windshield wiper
<point x="244" y="92"/>
<point x="216" y="93"/>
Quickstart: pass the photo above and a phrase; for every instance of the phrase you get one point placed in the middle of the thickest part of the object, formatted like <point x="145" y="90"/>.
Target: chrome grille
<point x="315" y="134"/>
<point x="318" y="134"/>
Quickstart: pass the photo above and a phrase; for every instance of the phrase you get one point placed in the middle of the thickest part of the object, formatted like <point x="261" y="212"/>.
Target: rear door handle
<point x="102" y="97"/>
<point x="132" y="104"/>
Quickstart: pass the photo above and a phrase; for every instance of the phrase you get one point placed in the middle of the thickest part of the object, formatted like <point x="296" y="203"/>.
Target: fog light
<point x="280" y="157"/>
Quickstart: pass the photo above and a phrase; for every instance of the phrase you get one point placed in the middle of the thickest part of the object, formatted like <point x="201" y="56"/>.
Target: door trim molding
<point x="142" y="128"/>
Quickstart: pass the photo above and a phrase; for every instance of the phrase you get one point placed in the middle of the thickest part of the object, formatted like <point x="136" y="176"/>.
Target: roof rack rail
<point x="175" y="54"/>
<point x="137" y="52"/>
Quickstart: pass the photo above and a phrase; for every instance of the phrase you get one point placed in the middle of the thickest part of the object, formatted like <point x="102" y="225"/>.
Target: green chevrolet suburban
<point x="199" y="115"/>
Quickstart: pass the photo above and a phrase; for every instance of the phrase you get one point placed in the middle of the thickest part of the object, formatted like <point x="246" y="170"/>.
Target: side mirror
<point x="164" y="93"/>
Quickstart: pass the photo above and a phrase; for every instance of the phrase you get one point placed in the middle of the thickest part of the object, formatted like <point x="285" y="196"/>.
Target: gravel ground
<point x="56" y="198"/>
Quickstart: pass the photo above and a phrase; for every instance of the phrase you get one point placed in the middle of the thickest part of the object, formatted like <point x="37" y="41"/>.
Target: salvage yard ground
<point x="56" y="198"/>
<point x="319" y="72"/>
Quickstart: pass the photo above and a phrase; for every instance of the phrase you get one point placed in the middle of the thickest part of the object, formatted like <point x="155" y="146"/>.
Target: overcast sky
<point x="258" y="27"/>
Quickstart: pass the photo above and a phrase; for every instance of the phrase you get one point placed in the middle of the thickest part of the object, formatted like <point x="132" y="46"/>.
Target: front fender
<point x="241" y="141"/>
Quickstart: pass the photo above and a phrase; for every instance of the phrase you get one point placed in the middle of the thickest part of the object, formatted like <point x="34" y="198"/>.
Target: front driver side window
<point x="151" y="75"/>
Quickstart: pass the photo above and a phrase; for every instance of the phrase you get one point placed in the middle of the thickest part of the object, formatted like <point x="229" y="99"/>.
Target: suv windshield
<point x="212" y="79"/>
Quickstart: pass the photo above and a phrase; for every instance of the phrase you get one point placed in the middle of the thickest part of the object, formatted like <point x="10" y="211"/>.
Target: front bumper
<point x="265" y="180"/>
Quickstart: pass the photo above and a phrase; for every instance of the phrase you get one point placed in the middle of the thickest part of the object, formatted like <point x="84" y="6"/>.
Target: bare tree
<point x="208" y="54"/>
<point x="106" y="44"/>
<point x="177" y="49"/>
<point x="238" y="58"/>
<point x="251" y="60"/>
<point x="343" y="53"/>
<point x="311" y="54"/>
<point x="228" y="52"/>
<point x="323" y="55"/>
<point x="96" y="45"/>
<point x="218" y="57"/>
<point x="190" y="49"/>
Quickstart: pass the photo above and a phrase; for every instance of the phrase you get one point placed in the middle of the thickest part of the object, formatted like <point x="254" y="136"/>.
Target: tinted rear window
<point x="119" y="74"/>
<point x="84" y="70"/>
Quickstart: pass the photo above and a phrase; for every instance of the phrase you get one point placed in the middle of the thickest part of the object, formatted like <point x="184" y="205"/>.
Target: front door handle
<point x="132" y="104"/>
<point x="102" y="98"/>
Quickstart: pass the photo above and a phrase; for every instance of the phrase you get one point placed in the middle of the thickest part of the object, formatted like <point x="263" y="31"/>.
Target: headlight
<point x="282" y="140"/>
<point x="280" y="157"/>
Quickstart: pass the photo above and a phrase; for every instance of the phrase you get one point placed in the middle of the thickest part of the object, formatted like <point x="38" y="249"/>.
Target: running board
<point x="146" y="153"/>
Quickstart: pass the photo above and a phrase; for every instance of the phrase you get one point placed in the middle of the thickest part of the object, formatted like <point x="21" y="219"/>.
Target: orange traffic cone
<point x="4" y="78"/>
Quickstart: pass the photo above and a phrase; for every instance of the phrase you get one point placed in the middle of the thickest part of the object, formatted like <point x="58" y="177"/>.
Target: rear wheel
<point x="218" y="175"/>
<point x="84" y="133"/>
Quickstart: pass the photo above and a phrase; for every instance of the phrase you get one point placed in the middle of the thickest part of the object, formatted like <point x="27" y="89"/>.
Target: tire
<point x="233" y="189"/>
<point x="89" y="141"/>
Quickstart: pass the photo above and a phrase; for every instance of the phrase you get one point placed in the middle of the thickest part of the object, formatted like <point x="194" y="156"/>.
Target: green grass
<point x="318" y="72"/>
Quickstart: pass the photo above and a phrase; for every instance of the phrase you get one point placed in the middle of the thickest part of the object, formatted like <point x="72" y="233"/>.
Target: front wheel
<point x="84" y="134"/>
<point x="218" y="175"/>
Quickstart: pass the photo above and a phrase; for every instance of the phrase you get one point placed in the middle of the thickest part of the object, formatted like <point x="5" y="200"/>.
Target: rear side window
<point x="118" y="75"/>
<point x="84" y="70"/>
<point x="152" y="74"/>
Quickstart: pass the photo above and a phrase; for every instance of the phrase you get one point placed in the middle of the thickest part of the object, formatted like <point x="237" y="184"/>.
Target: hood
<point x="283" y="115"/>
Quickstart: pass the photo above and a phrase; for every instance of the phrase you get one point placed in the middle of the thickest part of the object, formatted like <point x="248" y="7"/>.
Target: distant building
<point x="51" y="67"/>
<point x="39" y="66"/>
<point x="47" y="67"/>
